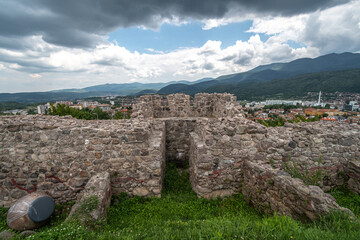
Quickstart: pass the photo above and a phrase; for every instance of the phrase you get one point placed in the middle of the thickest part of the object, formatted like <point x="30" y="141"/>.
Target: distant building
<point x="286" y="102"/>
<point x="43" y="109"/>
<point x="352" y="106"/>
<point x="77" y="106"/>
<point x="318" y="112"/>
<point x="88" y="104"/>
<point x="68" y="103"/>
<point x="105" y="107"/>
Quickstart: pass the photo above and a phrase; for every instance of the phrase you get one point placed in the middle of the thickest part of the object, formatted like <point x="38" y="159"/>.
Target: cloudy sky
<point x="47" y="45"/>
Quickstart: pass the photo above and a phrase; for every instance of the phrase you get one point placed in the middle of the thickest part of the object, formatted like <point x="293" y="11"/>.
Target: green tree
<point x="119" y="115"/>
<point x="31" y="111"/>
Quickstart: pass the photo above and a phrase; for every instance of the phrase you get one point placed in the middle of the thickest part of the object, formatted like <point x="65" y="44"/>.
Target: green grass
<point x="3" y="212"/>
<point x="179" y="214"/>
<point x="347" y="199"/>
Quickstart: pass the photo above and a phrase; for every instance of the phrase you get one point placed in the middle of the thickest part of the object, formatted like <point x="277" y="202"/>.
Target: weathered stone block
<point x="94" y="201"/>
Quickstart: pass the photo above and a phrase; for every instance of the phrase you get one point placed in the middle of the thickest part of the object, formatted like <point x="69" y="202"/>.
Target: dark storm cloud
<point x="83" y="23"/>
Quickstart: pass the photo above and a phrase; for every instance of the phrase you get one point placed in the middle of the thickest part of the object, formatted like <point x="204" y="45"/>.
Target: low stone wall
<point x="314" y="148"/>
<point x="352" y="170"/>
<point x="320" y="152"/>
<point x="59" y="155"/>
<point x="272" y="190"/>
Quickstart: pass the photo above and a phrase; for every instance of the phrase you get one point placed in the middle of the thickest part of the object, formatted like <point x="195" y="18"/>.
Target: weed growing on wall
<point x="309" y="178"/>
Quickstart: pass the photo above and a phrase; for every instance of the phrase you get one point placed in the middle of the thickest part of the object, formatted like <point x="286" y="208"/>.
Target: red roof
<point x="328" y="119"/>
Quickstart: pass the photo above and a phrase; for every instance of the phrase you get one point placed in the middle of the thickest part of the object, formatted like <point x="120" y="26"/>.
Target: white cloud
<point x="112" y="63"/>
<point x="14" y="66"/>
<point x="35" y="75"/>
<point x="2" y="67"/>
<point x="332" y="30"/>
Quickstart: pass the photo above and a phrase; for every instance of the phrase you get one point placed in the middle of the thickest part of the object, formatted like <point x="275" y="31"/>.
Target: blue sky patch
<point x="170" y="37"/>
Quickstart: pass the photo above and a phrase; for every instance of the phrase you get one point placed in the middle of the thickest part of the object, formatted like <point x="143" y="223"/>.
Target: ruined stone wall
<point x="203" y="105"/>
<point x="215" y="105"/>
<point x="179" y="105"/>
<point x="352" y="170"/>
<point x="148" y="106"/>
<point x="313" y="148"/>
<point x="218" y="152"/>
<point x="178" y="139"/>
<point x="322" y="149"/>
<point x="229" y="155"/>
<point x="59" y="155"/>
<point x="212" y="105"/>
<point x="273" y="190"/>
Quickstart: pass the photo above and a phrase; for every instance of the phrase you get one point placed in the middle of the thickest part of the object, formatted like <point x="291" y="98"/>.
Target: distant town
<point x="342" y="107"/>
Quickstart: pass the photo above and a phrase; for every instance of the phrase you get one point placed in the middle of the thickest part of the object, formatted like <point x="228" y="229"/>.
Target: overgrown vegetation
<point x="308" y="177"/>
<point x="3" y="212"/>
<point x="279" y="121"/>
<point x="180" y="214"/>
<point x="347" y="199"/>
<point x="85" y="113"/>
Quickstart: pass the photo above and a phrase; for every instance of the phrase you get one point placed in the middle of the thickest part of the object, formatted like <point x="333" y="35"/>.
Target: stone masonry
<point x="58" y="155"/>
<point x="227" y="154"/>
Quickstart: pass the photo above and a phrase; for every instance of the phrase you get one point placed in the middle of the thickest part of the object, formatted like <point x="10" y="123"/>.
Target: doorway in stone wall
<point x="177" y="177"/>
<point x="178" y="141"/>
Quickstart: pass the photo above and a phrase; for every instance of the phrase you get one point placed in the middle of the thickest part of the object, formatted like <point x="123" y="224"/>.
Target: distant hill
<point x="330" y="62"/>
<point x="342" y="81"/>
<point x="146" y="91"/>
<point x="93" y="91"/>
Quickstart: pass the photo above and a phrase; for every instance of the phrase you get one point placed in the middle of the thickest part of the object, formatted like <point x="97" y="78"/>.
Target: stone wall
<point x="352" y="170"/>
<point x="212" y="105"/>
<point x="179" y="105"/>
<point x="146" y="106"/>
<point x="227" y="154"/>
<point x="215" y="105"/>
<point x="59" y="155"/>
<point x="218" y="152"/>
<point x="319" y="151"/>
<point x="314" y="148"/>
<point x="272" y="190"/>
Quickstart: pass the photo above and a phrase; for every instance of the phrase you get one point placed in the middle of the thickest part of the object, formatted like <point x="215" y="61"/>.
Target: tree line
<point x="85" y="113"/>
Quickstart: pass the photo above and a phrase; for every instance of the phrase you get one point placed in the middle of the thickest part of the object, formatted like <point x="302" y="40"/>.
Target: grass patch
<point x="3" y="213"/>
<point x="347" y="199"/>
<point x="180" y="214"/>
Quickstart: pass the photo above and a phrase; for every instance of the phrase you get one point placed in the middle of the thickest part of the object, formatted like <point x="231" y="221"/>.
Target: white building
<point x="43" y="109"/>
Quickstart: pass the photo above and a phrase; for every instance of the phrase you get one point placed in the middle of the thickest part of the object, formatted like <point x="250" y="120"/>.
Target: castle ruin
<point x="227" y="154"/>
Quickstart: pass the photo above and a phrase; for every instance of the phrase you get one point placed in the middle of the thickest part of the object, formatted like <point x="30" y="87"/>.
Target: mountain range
<point x="114" y="89"/>
<point x="260" y="77"/>
<point x="329" y="73"/>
